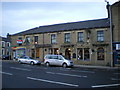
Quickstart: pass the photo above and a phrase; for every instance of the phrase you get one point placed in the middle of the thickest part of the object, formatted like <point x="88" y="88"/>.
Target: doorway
<point x="68" y="53"/>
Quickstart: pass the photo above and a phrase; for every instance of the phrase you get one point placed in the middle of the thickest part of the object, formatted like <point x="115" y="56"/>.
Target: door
<point x="68" y="53"/>
<point x="37" y="52"/>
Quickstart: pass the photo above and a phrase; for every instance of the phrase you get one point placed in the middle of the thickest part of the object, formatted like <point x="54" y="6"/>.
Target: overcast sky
<point x="21" y="16"/>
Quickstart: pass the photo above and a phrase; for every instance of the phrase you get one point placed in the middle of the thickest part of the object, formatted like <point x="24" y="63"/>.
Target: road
<point x="15" y="75"/>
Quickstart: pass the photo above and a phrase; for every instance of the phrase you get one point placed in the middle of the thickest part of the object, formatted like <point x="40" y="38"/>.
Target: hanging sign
<point x="19" y="41"/>
<point x="117" y="46"/>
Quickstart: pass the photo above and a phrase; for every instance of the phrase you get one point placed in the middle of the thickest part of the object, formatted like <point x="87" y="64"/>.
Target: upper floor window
<point x="100" y="36"/>
<point x="36" y="39"/>
<point x="53" y="38"/>
<point x="67" y="38"/>
<point x="3" y="44"/>
<point x="19" y="38"/>
<point x="8" y="44"/>
<point x="27" y="40"/>
<point x="80" y="37"/>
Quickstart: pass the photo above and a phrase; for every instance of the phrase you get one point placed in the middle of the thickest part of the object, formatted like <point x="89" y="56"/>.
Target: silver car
<point x="58" y="60"/>
<point x="28" y="60"/>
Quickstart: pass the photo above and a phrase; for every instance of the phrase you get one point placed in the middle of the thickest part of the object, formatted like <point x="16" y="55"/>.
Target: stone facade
<point x="83" y="42"/>
<point x="87" y="51"/>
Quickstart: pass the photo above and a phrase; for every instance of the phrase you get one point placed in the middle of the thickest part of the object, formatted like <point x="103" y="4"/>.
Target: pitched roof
<point x="89" y="24"/>
<point x="4" y="39"/>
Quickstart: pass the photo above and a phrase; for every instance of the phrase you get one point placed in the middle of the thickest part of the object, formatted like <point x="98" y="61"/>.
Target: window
<point x="35" y="39"/>
<point x="8" y="44"/>
<point x="100" y="36"/>
<point x="27" y="40"/>
<point x="83" y="54"/>
<point x="100" y="54"/>
<point x="3" y="51"/>
<point x="8" y="53"/>
<point x="3" y="44"/>
<point x="80" y="54"/>
<point x="86" y="54"/>
<point x="67" y="38"/>
<point x="53" y="39"/>
<point x="80" y="36"/>
<point x="19" y="38"/>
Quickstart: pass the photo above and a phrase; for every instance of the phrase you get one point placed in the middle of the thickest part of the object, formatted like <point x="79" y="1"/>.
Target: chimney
<point x="108" y="9"/>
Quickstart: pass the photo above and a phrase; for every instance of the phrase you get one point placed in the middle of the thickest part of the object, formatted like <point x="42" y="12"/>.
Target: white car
<point x="28" y="60"/>
<point x="58" y="60"/>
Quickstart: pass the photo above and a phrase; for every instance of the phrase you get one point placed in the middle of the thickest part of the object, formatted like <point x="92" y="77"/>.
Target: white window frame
<point x="8" y="44"/>
<point x="3" y="43"/>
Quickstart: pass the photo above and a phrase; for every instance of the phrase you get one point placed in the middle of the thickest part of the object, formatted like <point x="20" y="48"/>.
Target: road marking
<point x="25" y="65"/>
<point x="109" y="85"/>
<point x="66" y="74"/>
<point x="43" y="80"/>
<point x="78" y="71"/>
<point x="6" y="73"/>
<point x="115" y="79"/>
<point x="20" y="69"/>
<point x="116" y="73"/>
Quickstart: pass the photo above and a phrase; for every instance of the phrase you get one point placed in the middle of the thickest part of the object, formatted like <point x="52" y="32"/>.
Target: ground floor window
<point x="83" y="53"/>
<point x="54" y="51"/>
<point x="100" y="54"/>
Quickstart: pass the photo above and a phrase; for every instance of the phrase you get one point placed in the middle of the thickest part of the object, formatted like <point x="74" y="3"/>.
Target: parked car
<point x="6" y="57"/>
<point x="28" y="60"/>
<point x="58" y="60"/>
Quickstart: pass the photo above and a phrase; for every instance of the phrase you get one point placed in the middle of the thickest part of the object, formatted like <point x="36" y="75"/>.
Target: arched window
<point x="100" y="54"/>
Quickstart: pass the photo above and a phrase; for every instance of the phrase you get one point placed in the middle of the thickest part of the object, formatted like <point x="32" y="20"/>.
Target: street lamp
<point x="111" y="35"/>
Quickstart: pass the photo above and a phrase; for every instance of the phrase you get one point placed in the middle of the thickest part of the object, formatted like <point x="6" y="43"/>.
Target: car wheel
<point x="47" y="64"/>
<point x="20" y="62"/>
<point x="32" y="63"/>
<point x="64" y="65"/>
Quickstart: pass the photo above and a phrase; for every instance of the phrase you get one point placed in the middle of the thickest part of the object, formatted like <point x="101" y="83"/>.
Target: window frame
<point x="80" y="37"/>
<point x="67" y="37"/>
<point x="53" y="39"/>
<point x="100" y="36"/>
<point x="35" y="39"/>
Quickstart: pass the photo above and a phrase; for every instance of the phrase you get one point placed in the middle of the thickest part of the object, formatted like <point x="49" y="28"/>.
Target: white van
<point x="57" y="60"/>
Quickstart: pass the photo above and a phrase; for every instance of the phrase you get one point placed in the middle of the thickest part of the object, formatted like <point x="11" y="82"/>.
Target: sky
<point x="21" y="15"/>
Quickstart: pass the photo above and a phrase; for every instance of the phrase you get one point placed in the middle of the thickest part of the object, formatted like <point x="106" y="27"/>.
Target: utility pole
<point x="111" y="31"/>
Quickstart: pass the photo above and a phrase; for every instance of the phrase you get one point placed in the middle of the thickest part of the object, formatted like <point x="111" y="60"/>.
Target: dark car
<point x="6" y="57"/>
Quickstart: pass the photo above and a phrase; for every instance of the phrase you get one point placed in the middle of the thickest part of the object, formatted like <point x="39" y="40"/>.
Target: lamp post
<point x="111" y="32"/>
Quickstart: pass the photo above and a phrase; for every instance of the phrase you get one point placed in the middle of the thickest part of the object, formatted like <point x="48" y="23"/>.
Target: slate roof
<point x="89" y="24"/>
<point x="4" y="39"/>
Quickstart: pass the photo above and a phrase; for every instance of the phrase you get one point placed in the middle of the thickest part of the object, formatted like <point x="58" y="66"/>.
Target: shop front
<point x="18" y="52"/>
<point x="116" y="53"/>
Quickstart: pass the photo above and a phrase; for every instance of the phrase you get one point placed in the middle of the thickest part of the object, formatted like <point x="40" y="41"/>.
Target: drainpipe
<point x="43" y="47"/>
<point x="111" y="31"/>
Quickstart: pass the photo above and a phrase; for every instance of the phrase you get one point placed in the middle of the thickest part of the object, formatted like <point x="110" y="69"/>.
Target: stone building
<point x="5" y="48"/>
<point x="84" y="42"/>
<point x="115" y="8"/>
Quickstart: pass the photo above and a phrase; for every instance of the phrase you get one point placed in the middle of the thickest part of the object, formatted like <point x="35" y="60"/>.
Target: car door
<point x="28" y="60"/>
<point x="59" y="61"/>
<point x="52" y="60"/>
<point x="23" y="60"/>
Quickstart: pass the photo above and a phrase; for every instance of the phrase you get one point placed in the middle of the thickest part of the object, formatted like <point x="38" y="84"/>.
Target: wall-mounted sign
<point x="15" y="48"/>
<point x="117" y="46"/>
<point x="19" y="41"/>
